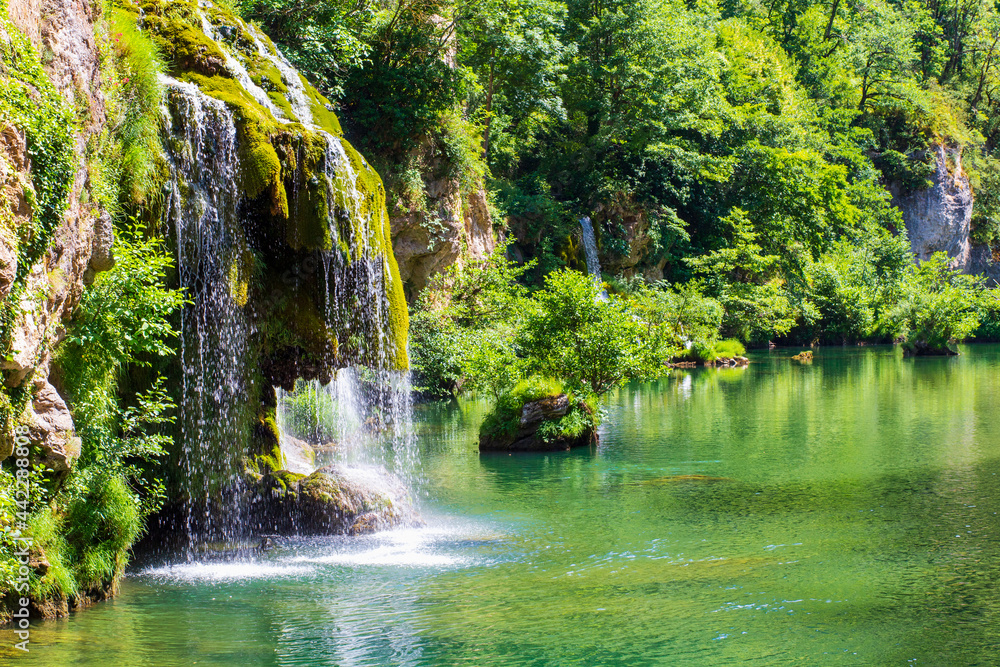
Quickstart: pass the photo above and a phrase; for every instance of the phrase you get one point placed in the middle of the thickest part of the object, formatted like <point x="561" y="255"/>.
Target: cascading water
<point x="361" y="418"/>
<point x="201" y="207"/>
<point x="363" y="415"/>
<point x="590" y="250"/>
<point x="366" y="404"/>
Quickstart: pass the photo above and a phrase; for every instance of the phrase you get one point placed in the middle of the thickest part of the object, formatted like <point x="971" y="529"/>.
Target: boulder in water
<point x="337" y="499"/>
<point x="541" y="427"/>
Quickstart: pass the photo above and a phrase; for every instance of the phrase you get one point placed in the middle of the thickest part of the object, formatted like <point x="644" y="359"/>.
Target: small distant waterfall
<point x="590" y="249"/>
<point x="201" y="206"/>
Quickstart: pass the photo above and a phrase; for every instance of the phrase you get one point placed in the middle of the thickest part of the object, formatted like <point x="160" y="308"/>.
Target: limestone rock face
<point x="333" y="500"/>
<point x="15" y="191"/>
<point x="102" y="258"/>
<point x="51" y="429"/>
<point x="64" y="32"/>
<point x="939" y="218"/>
<point x="448" y="226"/>
<point x="526" y="438"/>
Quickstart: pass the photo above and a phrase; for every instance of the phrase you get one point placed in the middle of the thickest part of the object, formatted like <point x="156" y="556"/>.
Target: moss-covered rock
<point x="314" y="209"/>
<point x="332" y="500"/>
<point x="547" y="423"/>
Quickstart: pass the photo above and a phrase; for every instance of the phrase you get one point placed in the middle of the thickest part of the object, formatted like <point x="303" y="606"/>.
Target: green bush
<point x="938" y="308"/>
<point x="570" y="426"/>
<point x="101" y="522"/>
<point x="310" y="414"/>
<point x="46" y="528"/>
<point x="729" y="349"/>
<point x="505" y="415"/>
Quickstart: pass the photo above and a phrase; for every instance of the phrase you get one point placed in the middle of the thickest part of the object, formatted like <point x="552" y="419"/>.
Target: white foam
<point x="390" y="556"/>
<point x="222" y="571"/>
<point x="407" y="547"/>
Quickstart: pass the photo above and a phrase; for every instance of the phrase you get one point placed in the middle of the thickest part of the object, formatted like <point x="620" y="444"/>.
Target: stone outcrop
<point x="333" y="500"/>
<point x="440" y="226"/>
<point x="64" y="32"/>
<point x="51" y="430"/>
<point x="526" y="437"/>
<point x="939" y="218"/>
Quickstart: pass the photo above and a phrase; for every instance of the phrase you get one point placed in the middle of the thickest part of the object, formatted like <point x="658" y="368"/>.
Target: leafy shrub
<point x="436" y="346"/>
<point x="591" y="345"/>
<point x="570" y="426"/>
<point x="729" y="349"/>
<point x="536" y="388"/>
<point x="939" y="307"/>
<point x="310" y="414"/>
<point x="102" y="522"/>
<point x="505" y="417"/>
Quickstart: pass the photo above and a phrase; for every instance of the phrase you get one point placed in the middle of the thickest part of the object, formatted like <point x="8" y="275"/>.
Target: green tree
<point x="881" y="51"/>
<point x="939" y="307"/>
<point x="590" y="344"/>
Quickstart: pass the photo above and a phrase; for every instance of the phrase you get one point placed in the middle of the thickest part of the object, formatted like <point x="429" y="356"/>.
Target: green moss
<point x="240" y="270"/>
<point x="264" y="454"/>
<point x="194" y="57"/>
<point x="260" y="166"/>
<point x="399" y="317"/>
<point x="309" y="227"/>
<point x="308" y="327"/>
<point x="285" y="481"/>
<point x="319" y="106"/>
<point x="280" y="101"/>
<point x="176" y="30"/>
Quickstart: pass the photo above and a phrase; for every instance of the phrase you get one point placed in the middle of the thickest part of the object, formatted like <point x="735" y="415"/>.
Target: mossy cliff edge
<point x="296" y="203"/>
<point x="310" y="266"/>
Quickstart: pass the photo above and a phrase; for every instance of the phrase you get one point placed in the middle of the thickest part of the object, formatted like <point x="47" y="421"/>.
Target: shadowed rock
<point x="336" y="499"/>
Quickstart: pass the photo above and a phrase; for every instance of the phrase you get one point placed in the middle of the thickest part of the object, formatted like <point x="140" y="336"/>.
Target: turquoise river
<point x="839" y="512"/>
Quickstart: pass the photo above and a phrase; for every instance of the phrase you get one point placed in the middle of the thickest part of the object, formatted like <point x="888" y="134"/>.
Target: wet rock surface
<point x="334" y="500"/>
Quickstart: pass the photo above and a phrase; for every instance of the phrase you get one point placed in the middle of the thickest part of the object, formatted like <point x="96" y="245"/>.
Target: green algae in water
<point x="844" y="512"/>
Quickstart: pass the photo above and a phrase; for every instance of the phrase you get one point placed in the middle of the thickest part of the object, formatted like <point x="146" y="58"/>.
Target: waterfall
<point x="360" y="408"/>
<point x="361" y="418"/>
<point x="200" y="209"/>
<point x="590" y="249"/>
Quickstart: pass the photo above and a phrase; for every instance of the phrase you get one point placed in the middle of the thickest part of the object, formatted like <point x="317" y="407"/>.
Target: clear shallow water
<point x="846" y="513"/>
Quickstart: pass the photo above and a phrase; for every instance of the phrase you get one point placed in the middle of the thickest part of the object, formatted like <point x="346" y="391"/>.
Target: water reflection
<point x="843" y="512"/>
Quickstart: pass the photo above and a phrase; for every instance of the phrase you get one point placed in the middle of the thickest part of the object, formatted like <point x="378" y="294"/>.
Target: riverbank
<point x="841" y="512"/>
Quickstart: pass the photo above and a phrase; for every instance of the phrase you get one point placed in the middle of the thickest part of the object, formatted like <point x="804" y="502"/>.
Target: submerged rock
<point x="539" y="428"/>
<point x="336" y="499"/>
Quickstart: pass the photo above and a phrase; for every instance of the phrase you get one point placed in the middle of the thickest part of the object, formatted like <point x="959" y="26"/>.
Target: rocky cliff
<point x="51" y="226"/>
<point x="939" y="217"/>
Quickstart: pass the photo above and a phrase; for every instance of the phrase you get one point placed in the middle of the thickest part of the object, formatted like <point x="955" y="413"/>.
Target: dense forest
<point x="741" y="160"/>
<point x="761" y="172"/>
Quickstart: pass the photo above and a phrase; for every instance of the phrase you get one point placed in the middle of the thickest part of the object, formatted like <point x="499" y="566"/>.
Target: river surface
<point x="840" y="512"/>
